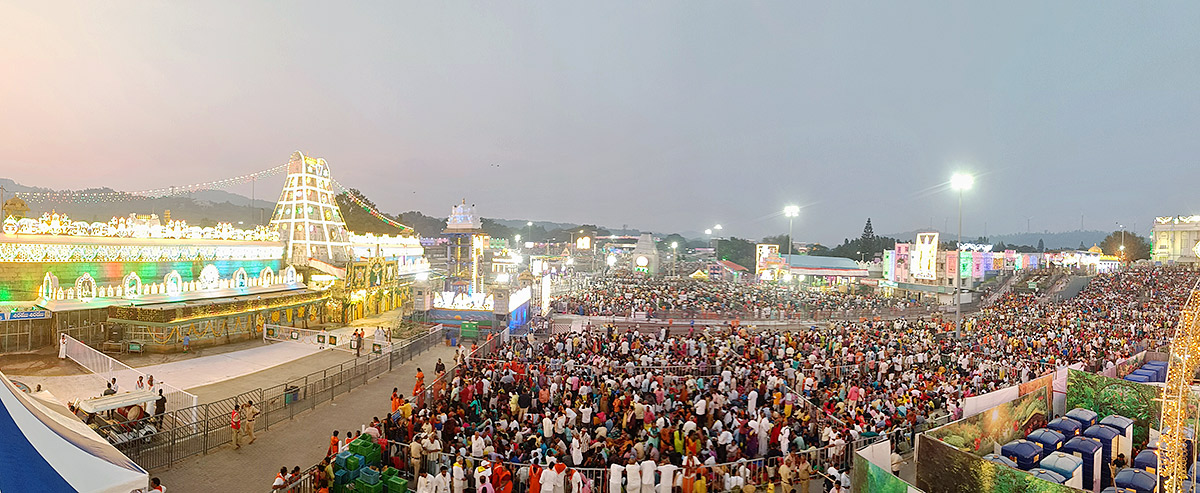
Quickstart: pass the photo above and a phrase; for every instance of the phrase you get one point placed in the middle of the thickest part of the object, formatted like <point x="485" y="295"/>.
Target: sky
<point x="666" y="115"/>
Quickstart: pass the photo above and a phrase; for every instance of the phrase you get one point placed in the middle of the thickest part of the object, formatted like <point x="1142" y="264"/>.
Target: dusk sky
<point x="670" y="116"/>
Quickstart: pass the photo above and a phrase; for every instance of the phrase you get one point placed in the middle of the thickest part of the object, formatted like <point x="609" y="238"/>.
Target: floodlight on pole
<point x="960" y="182"/>
<point x="674" y="257"/>
<point x="790" y="212"/>
<point x="708" y="232"/>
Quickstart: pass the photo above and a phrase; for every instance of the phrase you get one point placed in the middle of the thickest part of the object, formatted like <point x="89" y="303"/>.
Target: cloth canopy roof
<point x="46" y="448"/>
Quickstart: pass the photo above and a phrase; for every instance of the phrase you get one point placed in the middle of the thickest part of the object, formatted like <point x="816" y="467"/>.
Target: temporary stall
<point x="46" y="448"/>
<point x="1133" y="377"/>
<point x="1024" y="452"/>
<point x="1050" y="440"/>
<point x="1124" y="428"/>
<point x="1068" y="427"/>
<point x="1086" y="417"/>
<point x="1159" y="368"/>
<point x="1091" y="451"/>
<point x="1000" y="459"/>
<point x="1047" y="475"/>
<point x="1147" y="459"/>
<point x="1150" y="375"/>
<point x="1136" y="480"/>
<point x="1108" y="438"/>
<point x="1068" y="466"/>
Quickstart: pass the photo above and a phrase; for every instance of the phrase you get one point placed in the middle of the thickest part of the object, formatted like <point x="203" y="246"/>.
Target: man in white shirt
<point x="633" y="478"/>
<point x="666" y="473"/>
<point x="648" y="469"/>
<point x="441" y="482"/>
<point x="614" y="478"/>
<point x="460" y="476"/>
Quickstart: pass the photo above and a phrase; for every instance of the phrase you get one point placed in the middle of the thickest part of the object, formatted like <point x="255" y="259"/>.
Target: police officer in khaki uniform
<point x="251" y="413"/>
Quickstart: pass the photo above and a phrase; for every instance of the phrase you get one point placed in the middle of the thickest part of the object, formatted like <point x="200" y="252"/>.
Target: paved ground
<point x="212" y="373"/>
<point x="299" y="442"/>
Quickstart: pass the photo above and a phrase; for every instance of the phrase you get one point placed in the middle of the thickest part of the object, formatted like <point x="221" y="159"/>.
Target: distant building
<point x="644" y="258"/>
<point x="1176" y="239"/>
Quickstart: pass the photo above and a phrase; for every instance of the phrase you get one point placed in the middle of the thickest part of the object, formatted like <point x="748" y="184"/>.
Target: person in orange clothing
<point x="502" y="478"/>
<point x="535" y="478"/>
<point x="333" y="445"/>
<point x="420" y="381"/>
<point x="395" y="399"/>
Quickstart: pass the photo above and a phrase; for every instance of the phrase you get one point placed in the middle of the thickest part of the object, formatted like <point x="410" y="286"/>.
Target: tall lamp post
<point x="674" y="258"/>
<point x="790" y="212"/>
<point x="960" y="182"/>
<point x="1122" y="226"/>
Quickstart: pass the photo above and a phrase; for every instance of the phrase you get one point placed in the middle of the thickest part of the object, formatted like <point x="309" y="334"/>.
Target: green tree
<point x="781" y="240"/>
<point x="1136" y="247"/>
<point x="736" y="250"/>
<point x="866" y="243"/>
<point x="358" y="219"/>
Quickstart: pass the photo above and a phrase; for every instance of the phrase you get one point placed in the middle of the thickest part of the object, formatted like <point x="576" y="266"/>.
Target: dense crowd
<point x="625" y="295"/>
<point x="750" y="406"/>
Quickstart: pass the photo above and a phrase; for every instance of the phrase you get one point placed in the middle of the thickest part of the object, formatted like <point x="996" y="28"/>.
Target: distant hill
<point x="201" y="208"/>
<point x="1060" y="240"/>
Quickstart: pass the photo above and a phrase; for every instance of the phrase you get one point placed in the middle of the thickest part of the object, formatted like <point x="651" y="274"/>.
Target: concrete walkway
<point x="199" y="371"/>
<point x="301" y="441"/>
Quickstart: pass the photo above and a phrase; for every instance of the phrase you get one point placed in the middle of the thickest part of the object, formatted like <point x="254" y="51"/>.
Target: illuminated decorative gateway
<point x="1185" y="359"/>
<point x="307" y="217"/>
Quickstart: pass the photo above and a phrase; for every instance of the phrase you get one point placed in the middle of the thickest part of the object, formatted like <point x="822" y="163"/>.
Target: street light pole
<point x="674" y="258"/>
<point x="957" y="274"/>
<point x="1122" y="226"/>
<point x="959" y="182"/>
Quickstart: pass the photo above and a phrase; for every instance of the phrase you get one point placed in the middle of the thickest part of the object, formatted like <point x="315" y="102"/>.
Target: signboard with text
<point x="24" y="315"/>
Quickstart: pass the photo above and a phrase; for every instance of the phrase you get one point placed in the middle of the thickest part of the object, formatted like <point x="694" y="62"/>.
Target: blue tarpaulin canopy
<point x="45" y="448"/>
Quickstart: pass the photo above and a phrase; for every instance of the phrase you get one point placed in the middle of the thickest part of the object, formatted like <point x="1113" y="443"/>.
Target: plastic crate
<point x="388" y="473"/>
<point x="361" y="486"/>
<point x="354" y="462"/>
<point x="372" y="458"/>
<point x="368" y="475"/>
<point x="340" y="459"/>
<point x="342" y="477"/>
<point x="397" y="484"/>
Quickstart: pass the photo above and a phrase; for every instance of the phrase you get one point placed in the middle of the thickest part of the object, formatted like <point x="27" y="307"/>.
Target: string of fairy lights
<point x="84" y="197"/>
<point x="368" y="208"/>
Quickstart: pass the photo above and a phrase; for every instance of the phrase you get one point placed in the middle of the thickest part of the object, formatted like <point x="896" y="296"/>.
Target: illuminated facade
<point x="465" y="249"/>
<point x="307" y="217"/>
<point x="158" y="281"/>
<point x="380" y="278"/>
<point x="1176" y="239"/>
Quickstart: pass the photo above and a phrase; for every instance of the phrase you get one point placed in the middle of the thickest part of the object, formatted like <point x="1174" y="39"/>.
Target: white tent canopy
<point x="45" y="448"/>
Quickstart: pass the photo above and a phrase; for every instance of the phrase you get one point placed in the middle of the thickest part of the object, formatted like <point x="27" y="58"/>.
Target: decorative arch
<point x="49" y="289"/>
<point x="1184" y="360"/>
<point x="210" y="277"/>
<point x="241" y="279"/>
<point x="266" y="277"/>
<point x="85" y="288"/>
<point x="131" y="285"/>
<point x="173" y="283"/>
<point x="289" y="275"/>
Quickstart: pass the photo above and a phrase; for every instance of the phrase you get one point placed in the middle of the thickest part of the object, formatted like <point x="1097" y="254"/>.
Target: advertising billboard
<point x="923" y="257"/>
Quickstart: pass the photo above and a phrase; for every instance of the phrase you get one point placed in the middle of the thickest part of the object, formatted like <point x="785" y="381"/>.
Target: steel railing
<point x="177" y="435"/>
